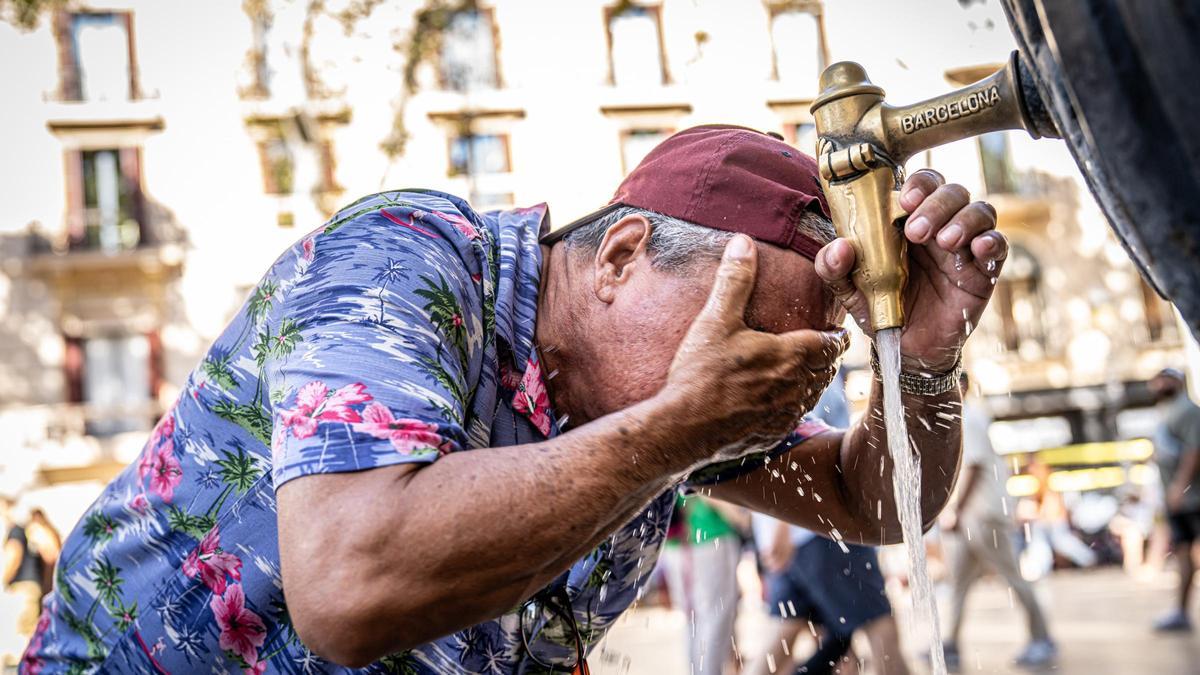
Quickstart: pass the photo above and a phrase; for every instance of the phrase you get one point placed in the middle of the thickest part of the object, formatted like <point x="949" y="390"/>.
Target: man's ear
<point x="623" y="244"/>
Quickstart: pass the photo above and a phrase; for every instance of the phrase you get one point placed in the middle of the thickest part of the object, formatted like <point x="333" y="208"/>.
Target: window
<point x="468" y="54"/>
<point x="798" y="43"/>
<point x="105" y="199"/>
<point x="278" y="165"/>
<point x="479" y="154"/>
<point x="635" y="46"/>
<point x="637" y="143"/>
<point x="490" y="201"/>
<point x="1019" y="303"/>
<point x="803" y="135"/>
<point x="97" y="57"/>
<point x="115" y="376"/>
<point x="996" y="163"/>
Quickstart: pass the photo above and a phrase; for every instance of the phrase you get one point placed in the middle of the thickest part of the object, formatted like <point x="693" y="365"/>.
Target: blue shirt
<point x="399" y="332"/>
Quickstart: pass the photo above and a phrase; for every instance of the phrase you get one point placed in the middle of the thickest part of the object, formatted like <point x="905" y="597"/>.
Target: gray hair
<point x="675" y="244"/>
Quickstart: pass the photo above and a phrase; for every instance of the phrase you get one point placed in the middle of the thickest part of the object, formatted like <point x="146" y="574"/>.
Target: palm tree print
<point x="99" y="527"/>
<point x="400" y="309"/>
<point x="444" y="311"/>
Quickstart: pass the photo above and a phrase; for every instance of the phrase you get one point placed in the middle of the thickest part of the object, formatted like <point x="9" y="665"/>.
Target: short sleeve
<point x="374" y="345"/>
<point x="1190" y="430"/>
<point x="723" y="471"/>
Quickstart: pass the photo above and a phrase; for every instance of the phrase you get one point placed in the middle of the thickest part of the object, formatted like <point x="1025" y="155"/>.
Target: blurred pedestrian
<point x="1050" y="531"/>
<point x="832" y="589"/>
<point x="701" y="570"/>
<point x="30" y="551"/>
<point x="981" y="528"/>
<point x="1177" y="453"/>
<point x="832" y="585"/>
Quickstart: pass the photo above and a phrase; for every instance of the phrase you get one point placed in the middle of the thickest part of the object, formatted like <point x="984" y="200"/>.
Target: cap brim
<point x="557" y="234"/>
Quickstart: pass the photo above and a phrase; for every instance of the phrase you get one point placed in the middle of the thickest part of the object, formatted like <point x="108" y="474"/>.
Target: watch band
<point x="922" y="384"/>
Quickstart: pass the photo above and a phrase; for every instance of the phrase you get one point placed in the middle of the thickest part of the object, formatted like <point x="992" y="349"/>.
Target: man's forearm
<point x="934" y="427"/>
<point x="465" y="539"/>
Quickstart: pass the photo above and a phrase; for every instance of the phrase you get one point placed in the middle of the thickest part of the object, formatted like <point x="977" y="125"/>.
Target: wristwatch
<point x="922" y="384"/>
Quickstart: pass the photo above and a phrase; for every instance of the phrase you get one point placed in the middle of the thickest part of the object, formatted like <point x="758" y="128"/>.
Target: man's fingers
<point x="990" y="249"/>
<point x="970" y="222"/>
<point x="734" y="282"/>
<point x="919" y="185"/>
<point x="935" y="212"/>
<point x="833" y="264"/>
<point x="818" y="349"/>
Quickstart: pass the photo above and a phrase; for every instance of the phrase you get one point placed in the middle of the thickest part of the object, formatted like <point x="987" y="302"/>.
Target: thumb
<point x="734" y="282"/>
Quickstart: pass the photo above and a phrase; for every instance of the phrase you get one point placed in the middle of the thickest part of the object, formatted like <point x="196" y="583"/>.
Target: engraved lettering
<point x="970" y="104"/>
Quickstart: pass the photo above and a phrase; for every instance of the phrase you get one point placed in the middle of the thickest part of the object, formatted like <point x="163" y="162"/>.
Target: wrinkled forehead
<point x="788" y="294"/>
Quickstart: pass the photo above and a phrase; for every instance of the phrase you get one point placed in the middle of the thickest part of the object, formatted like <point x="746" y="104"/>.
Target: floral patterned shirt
<point x="400" y="331"/>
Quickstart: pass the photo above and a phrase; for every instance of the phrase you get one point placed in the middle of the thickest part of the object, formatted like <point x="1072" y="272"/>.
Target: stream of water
<point x="906" y="484"/>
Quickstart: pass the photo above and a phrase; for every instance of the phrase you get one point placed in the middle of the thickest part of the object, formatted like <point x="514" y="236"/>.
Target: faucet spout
<point x="863" y="144"/>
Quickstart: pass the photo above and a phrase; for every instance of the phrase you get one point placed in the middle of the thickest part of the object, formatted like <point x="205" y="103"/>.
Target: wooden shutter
<point x="73" y="368"/>
<point x="135" y="91"/>
<point x="131" y="184"/>
<point x="68" y="62"/>
<point x="154" y="340"/>
<point x="75" y="212"/>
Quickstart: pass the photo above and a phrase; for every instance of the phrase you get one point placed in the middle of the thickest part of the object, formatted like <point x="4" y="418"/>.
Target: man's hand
<point x="778" y="552"/>
<point x="1174" y="496"/>
<point x="954" y="256"/>
<point x="736" y="390"/>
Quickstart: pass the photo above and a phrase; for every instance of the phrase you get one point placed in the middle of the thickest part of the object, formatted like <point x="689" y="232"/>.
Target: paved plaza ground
<point x="1100" y="618"/>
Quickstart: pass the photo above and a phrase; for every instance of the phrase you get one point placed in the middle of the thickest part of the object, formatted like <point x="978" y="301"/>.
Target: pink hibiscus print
<point x="165" y="473"/>
<point x="242" y="631"/>
<point x="139" y="503"/>
<point x="406" y="435"/>
<point x="461" y="224"/>
<point x="532" y="398"/>
<point x="256" y="669"/>
<point x="162" y="431"/>
<point x="30" y="662"/>
<point x="212" y="564"/>
<point x="309" y="246"/>
<point x="314" y="403"/>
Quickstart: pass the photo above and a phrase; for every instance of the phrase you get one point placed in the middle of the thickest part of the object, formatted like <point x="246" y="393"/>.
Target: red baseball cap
<point x="728" y="178"/>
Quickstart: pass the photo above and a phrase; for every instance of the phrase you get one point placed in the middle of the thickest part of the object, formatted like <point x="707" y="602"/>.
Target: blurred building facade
<point x="162" y="153"/>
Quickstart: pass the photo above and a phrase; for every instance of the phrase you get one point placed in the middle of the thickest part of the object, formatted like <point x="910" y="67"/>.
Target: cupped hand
<point x="954" y="258"/>
<point x="738" y="390"/>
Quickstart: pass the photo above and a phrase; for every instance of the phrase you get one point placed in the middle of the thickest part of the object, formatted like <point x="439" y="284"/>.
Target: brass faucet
<point x="863" y="143"/>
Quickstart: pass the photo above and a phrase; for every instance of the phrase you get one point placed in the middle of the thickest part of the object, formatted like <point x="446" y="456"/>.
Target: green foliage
<point x="279" y="344"/>
<point x="260" y="302"/>
<point x="249" y="417"/>
<point x="108" y="581"/>
<point x="444" y="312"/>
<point x="63" y="585"/>
<point x="218" y="373"/>
<point x="99" y="527"/>
<point x="435" y="370"/>
<point x="25" y="14"/>
<point x="239" y="470"/>
<point x="124" y="614"/>
<point x="423" y="43"/>
<point x="182" y="521"/>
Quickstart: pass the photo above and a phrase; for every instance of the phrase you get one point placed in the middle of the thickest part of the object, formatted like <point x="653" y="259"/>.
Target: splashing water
<point x="906" y="484"/>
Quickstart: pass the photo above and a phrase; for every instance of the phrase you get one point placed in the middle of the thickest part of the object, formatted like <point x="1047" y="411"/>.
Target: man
<point x="813" y="581"/>
<point x="1177" y="453"/>
<point x="980" y="529"/>
<point x="430" y="444"/>
<point x="701" y="571"/>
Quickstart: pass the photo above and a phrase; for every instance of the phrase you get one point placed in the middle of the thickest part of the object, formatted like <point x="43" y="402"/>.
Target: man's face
<point x="643" y="312"/>
<point x="1164" y="388"/>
